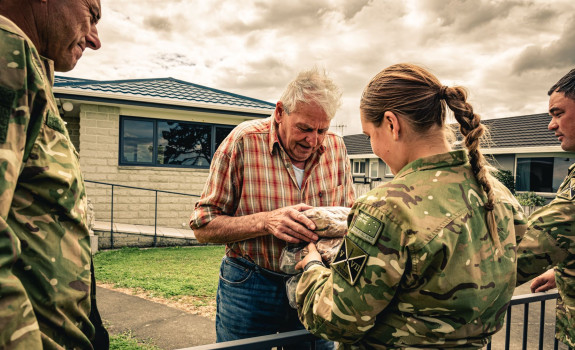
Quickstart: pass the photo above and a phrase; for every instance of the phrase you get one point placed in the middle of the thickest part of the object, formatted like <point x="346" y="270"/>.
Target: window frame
<point x="155" y="122"/>
<point x="359" y="162"/>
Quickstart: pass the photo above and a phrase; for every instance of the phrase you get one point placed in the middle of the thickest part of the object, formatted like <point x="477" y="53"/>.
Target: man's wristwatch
<point x="313" y="263"/>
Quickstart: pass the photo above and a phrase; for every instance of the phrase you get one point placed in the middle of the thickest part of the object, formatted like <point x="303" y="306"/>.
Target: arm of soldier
<point x="547" y="240"/>
<point x="19" y="325"/>
<point x="343" y="307"/>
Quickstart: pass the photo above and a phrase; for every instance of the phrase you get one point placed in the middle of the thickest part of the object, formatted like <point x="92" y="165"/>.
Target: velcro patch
<point x="366" y="227"/>
<point x="349" y="261"/>
<point x="569" y="190"/>
<point x="7" y="97"/>
<point x="55" y="122"/>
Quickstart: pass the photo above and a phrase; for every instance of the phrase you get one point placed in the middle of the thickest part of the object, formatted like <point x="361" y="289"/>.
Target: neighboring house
<point x="152" y="133"/>
<point x="521" y="144"/>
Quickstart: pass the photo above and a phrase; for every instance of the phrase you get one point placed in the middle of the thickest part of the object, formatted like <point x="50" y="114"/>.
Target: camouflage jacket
<point x="550" y="241"/>
<point x="418" y="267"/>
<point x="44" y="240"/>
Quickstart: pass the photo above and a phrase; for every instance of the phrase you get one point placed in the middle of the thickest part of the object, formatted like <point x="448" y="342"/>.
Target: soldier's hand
<point x="312" y="255"/>
<point x="544" y="282"/>
<point x="290" y="225"/>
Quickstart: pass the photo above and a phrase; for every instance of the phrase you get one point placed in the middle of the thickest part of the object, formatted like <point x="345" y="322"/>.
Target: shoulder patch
<point x="55" y="122"/>
<point x="7" y="97"/>
<point x="569" y="190"/>
<point x="349" y="261"/>
<point x="366" y="227"/>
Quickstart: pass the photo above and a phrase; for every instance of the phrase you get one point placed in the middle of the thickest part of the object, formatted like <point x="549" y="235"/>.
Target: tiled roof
<point x="521" y="131"/>
<point x="169" y="89"/>
<point x="357" y="144"/>
<point x="511" y="132"/>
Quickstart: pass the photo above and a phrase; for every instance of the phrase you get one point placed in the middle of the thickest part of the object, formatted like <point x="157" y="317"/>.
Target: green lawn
<point x="126" y="341"/>
<point x="170" y="273"/>
<point x="163" y="272"/>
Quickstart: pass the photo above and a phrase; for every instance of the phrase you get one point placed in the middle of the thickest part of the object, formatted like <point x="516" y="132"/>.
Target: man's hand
<point x="290" y="225"/>
<point x="544" y="282"/>
<point x="313" y="255"/>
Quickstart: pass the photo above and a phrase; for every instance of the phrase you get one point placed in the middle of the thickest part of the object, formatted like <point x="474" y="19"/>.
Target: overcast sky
<point x="507" y="53"/>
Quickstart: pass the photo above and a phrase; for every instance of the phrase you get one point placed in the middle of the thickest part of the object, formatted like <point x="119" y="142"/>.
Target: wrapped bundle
<point x="331" y="226"/>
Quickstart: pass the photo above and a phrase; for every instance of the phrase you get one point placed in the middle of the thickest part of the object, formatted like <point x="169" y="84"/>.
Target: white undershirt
<point x="298" y="175"/>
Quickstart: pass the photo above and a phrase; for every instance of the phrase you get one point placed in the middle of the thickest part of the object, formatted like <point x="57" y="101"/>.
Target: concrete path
<point x="166" y="327"/>
<point x="170" y="328"/>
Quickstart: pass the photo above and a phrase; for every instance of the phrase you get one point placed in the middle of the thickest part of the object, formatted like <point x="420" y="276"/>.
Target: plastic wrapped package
<point x="329" y="221"/>
<point x="331" y="226"/>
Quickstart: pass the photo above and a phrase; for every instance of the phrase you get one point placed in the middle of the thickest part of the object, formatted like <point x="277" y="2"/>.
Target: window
<point x="359" y="167"/>
<point x="156" y="142"/>
<point x="542" y="174"/>
<point x="374" y="168"/>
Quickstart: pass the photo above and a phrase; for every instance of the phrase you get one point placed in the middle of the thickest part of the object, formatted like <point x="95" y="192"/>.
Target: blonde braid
<point x="472" y="129"/>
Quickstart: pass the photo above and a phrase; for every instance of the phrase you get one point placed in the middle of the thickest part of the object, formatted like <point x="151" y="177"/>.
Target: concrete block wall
<point x="99" y="144"/>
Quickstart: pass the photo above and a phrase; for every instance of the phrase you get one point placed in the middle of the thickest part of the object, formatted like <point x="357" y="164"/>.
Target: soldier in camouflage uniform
<point x="550" y="238"/>
<point x="46" y="287"/>
<point x="430" y="257"/>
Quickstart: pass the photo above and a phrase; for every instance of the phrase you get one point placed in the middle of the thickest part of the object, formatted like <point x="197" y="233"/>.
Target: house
<point x="520" y="144"/>
<point x="151" y="133"/>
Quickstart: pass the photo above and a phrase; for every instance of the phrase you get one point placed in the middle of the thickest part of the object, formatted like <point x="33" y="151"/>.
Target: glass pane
<point x="374" y="168"/>
<point x="534" y="174"/>
<point x="560" y="168"/>
<point x="184" y="144"/>
<point x="221" y="133"/>
<point x="137" y="141"/>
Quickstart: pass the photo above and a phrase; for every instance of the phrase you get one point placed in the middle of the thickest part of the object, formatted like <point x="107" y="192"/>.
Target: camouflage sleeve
<point x="18" y="324"/>
<point x="341" y="303"/>
<point x="549" y="240"/>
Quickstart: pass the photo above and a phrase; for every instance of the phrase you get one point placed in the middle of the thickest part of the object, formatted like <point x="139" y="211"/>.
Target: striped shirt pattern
<point x="251" y="173"/>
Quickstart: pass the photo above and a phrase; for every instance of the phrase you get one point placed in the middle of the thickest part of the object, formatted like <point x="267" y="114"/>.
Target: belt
<point x="243" y="262"/>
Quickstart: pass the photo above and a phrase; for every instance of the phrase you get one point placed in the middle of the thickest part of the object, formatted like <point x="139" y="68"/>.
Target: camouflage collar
<point x="448" y="159"/>
<point x="47" y="65"/>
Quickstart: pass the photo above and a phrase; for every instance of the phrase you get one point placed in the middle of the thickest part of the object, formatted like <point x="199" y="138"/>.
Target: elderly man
<point x="550" y="239"/>
<point x="262" y="176"/>
<point x="47" y="298"/>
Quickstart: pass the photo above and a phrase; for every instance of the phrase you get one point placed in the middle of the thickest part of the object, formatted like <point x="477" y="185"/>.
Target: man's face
<point x="69" y="28"/>
<point x="562" y="112"/>
<point x="302" y="131"/>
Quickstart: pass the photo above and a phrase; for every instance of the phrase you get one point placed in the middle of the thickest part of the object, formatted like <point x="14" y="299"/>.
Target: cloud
<point x="158" y="23"/>
<point x="467" y="15"/>
<point x="559" y="53"/>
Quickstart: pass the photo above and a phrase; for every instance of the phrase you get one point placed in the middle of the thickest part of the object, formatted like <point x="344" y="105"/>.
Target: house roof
<point x="526" y="131"/>
<point x="160" y="90"/>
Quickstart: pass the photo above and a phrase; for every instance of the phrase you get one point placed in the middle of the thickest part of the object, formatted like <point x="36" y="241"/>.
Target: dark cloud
<point x="293" y="16"/>
<point x="170" y="60"/>
<point x="558" y="54"/>
<point x="158" y="23"/>
<point x="466" y="15"/>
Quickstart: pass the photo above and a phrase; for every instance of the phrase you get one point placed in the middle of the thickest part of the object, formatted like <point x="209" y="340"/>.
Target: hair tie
<point x="443" y="92"/>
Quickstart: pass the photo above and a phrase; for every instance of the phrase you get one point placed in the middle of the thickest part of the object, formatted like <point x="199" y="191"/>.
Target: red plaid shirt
<point x="251" y="173"/>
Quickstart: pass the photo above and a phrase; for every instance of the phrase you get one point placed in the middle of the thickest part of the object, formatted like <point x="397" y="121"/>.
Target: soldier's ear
<point x="391" y="121"/>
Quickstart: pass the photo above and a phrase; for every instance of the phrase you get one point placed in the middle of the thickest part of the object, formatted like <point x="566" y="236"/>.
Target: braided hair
<point x="417" y="95"/>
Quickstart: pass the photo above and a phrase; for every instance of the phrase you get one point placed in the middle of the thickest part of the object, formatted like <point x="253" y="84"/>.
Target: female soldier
<point x="429" y="259"/>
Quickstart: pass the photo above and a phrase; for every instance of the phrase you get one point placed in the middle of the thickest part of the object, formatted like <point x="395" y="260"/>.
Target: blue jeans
<point x="252" y="302"/>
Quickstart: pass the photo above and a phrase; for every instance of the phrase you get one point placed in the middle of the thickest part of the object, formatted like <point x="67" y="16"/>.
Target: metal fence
<point x="136" y="188"/>
<point x="509" y="342"/>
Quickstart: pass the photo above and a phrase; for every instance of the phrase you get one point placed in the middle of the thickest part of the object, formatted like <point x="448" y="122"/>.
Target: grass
<point x="125" y="341"/>
<point x="170" y="273"/>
